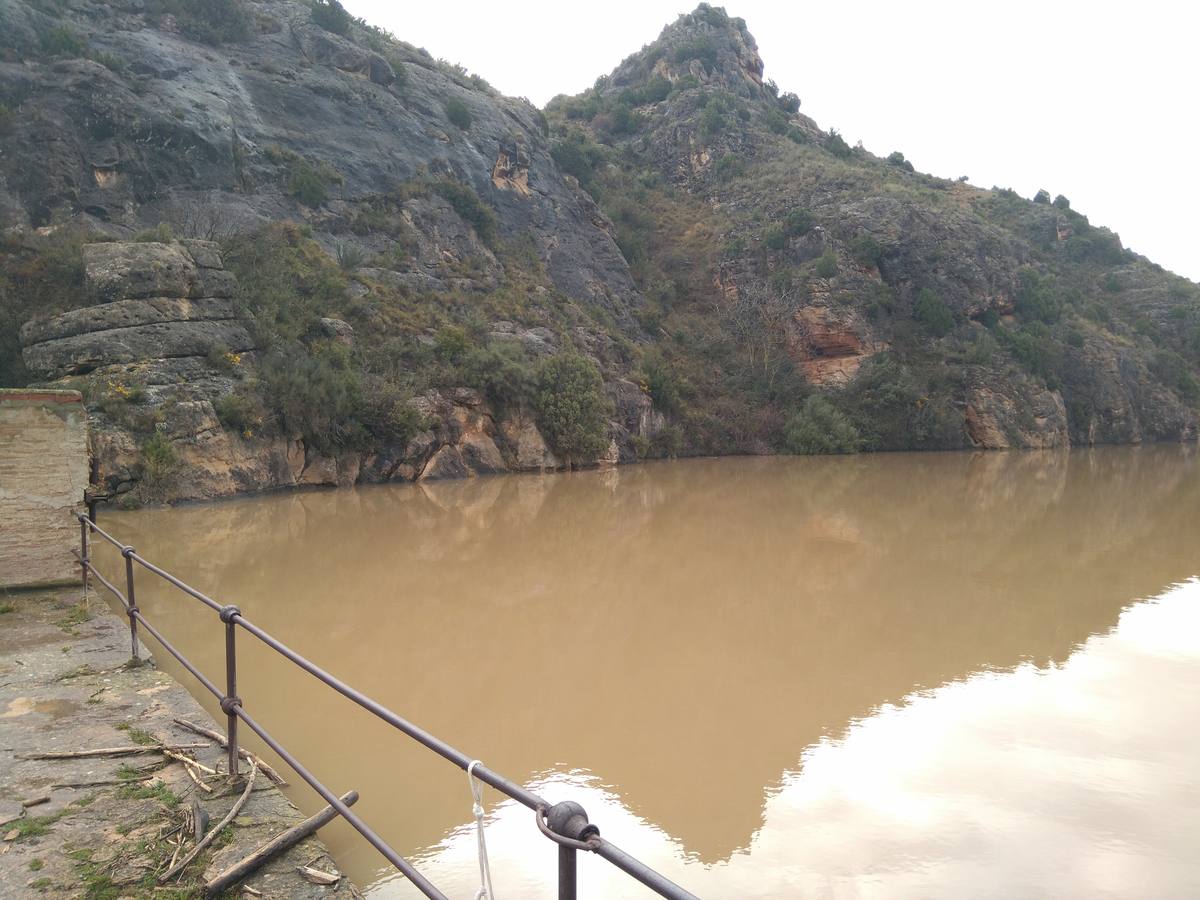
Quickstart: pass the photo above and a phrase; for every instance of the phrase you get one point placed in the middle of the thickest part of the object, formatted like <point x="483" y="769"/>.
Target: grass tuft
<point x="138" y="735"/>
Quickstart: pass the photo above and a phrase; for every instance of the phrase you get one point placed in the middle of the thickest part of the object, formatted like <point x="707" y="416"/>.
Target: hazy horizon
<point x="1080" y="99"/>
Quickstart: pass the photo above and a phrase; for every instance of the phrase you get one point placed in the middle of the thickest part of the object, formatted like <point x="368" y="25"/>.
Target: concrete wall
<point x="43" y="474"/>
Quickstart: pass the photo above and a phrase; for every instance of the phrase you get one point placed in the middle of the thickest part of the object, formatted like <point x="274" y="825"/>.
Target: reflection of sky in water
<point x="1078" y="779"/>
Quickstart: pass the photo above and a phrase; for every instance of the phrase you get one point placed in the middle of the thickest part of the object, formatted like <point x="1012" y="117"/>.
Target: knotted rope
<point x="485" y="872"/>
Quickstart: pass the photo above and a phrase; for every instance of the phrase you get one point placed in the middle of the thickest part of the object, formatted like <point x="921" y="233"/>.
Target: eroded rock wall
<point x="164" y="343"/>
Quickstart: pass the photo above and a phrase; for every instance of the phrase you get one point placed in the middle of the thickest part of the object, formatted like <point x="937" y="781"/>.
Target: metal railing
<point x="565" y="823"/>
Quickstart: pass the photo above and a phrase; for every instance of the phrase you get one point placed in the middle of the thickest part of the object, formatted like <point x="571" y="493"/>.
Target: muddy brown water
<point x="900" y="675"/>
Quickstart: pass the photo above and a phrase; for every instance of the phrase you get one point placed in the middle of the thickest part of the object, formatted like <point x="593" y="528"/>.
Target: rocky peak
<point x="707" y="45"/>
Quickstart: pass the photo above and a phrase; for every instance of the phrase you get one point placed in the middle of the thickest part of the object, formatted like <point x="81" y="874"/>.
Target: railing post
<point x="131" y="599"/>
<point x="569" y="820"/>
<point x="231" y="699"/>
<point x="566" y="872"/>
<point x="83" y="553"/>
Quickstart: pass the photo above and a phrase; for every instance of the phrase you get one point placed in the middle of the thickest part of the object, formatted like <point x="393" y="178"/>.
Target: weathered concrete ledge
<point x="106" y="828"/>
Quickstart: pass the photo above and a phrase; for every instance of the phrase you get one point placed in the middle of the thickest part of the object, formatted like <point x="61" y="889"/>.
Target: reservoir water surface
<point x="900" y="675"/>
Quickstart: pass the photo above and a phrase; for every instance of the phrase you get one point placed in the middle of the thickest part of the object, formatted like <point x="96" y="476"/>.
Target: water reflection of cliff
<point x="683" y="630"/>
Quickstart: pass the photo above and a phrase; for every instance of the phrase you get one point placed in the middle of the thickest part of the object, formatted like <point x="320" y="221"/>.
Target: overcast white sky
<point x="1097" y="101"/>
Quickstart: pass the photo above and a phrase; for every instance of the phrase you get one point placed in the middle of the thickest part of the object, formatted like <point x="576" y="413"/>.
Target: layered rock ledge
<point x="157" y="301"/>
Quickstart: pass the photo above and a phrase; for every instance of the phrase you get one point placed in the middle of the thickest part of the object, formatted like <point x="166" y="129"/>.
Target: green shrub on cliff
<point x="867" y="250"/>
<point x="827" y="265"/>
<point x="571" y="407"/>
<point x="320" y="394"/>
<point x="1171" y="369"/>
<point x="502" y="373"/>
<point x="308" y="182"/>
<point x="161" y="233"/>
<point x="1037" y="297"/>
<point x="775" y="238"/>
<point x="798" y="222"/>
<point x="789" y="102"/>
<point x="387" y="414"/>
<point x="1035" y="349"/>
<point x="458" y="114"/>
<point x="468" y="206"/>
<point x="819" y="428"/>
<point x="62" y="41"/>
<point x="837" y="145"/>
<point x="40" y="275"/>
<point x="662" y="383"/>
<point x="332" y="16"/>
<point x="728" y="167"/>
<point x="285" y="281"/>
<point x="717" y="115"/>
<point x="159" y="458"/>
<point x="700" y="49"/>
<point x="307" y="186"/>
<point x="895" y="407"/>
<point x="932" y="313"/>
<point x="451" y="343"/>
<point x="653" y="91"/>
<point x="775" y="120"/>
<point x="307" y="386"/>
<point x="315" y="395"/>
<point x="238" y="411"/>
<point x="208" y="21"/>
<point x="578" y="155"/>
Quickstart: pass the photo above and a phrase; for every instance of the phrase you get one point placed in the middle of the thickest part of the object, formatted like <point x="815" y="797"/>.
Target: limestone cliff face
<point x="167" y="129"/>
<point x="184" y="354"/>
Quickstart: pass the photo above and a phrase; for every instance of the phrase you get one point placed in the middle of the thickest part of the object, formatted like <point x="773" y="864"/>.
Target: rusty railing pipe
<point x="131" y="609"/>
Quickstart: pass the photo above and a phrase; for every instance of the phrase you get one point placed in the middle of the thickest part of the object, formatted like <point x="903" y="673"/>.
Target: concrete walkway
<point x="106" y="830"/>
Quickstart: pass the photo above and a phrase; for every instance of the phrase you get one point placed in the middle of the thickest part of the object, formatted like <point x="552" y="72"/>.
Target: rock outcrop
<point x="163" y="364"/>
<point x="158" y="301"/>
<point x="997" y="421"/>
<point x="175" y="131"/>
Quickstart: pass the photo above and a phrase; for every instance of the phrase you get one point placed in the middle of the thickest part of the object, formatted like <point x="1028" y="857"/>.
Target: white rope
<point x="485" y="872"/>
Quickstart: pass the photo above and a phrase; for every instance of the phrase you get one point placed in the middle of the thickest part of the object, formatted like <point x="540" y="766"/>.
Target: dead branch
<point x="316" y="876"/>
<point x="196" y="779"/>
<point x="246" y="866"/>
<point x="105" y="751"/>
<point x="189" y="761"/>
<point x="242" y="751"/>
<point x="215" y="830"/>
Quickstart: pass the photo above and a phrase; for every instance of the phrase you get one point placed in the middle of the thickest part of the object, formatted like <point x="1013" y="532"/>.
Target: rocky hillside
<point x="920" y="312"/>
<point x="277" y="246"/>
